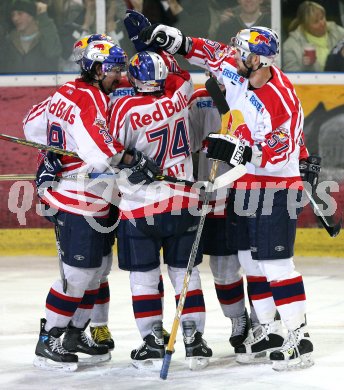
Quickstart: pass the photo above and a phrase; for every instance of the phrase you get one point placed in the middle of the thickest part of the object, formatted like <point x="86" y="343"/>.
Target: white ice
<point x="25" y="281"/>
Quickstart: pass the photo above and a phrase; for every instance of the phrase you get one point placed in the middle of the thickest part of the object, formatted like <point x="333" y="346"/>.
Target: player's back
<point x="157" y="126"/>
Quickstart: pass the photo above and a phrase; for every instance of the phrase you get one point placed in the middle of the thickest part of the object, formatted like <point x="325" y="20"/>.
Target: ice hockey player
<point x="76" y="115"/>
<point x="160" y="215"/>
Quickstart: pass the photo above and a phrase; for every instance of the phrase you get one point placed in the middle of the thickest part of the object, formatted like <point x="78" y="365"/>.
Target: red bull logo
<point x="135" y="61"/>
<point x="99" y="46"/>
<point x="256" y="38"/>
<point x="78" y="44"/>
<point x="262" y="39"/>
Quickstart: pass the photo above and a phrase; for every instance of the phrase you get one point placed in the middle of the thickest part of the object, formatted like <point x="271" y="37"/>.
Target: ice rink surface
<point x="25" y="281"/>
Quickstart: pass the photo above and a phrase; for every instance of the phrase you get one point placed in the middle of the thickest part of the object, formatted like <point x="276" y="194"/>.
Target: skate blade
<point x="50" y="365"/>
<point x="197" y="362"/>
<point x="305" y="361"/>
<point x="93" y="359"/>
<point x="148" y="365"/>
<point x="253" y="358"/>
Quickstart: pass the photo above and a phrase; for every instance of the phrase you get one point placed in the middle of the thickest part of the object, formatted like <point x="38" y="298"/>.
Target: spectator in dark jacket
<point x="33" y="45"/>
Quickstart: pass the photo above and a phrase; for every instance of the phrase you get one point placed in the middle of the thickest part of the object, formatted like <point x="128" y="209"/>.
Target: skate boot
<point x="197" y="351"/>
<point x="151" y="352"/>
<point x="102" y="336"/>
<point x="77" y="340"/>
<point x="50" y="354"/>
<point x="240" y="327"/>
<point x="263" y="340"/>
<point x="296" y="351"/>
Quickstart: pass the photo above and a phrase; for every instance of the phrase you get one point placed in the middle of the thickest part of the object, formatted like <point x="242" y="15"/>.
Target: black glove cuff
<point x="185" y="46"/>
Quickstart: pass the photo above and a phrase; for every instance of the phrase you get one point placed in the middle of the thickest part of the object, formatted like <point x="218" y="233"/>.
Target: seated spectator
<point x="311" y="38"/>
<point x="33" y="45"/>
<point x="248" y="13"/>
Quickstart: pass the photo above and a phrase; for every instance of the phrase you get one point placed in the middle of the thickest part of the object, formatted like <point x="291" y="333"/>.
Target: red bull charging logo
<point x="256" y="38"/>
<point x="99" y="46"/>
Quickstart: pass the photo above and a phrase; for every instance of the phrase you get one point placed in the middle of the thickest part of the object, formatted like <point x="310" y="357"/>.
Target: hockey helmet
<point x="108" y="54"/>
<point x="261" y="41"/>
<point x="147" y="72"/>
<point x="81" y="44"/>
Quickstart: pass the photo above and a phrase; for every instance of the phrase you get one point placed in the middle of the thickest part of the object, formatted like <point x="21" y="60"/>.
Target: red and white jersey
<point x="270" y="116"/>
<point x="74" y="119"/>
<point x="204" y="118"/>
<point x="159" y="128"/>
<point x="123" y="89"/>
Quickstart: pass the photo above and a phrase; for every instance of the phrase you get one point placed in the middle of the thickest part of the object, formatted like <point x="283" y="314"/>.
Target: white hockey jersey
<point x="270" y="116"/>
<point x="159" y="128"/>
<point x="74" y="119"/>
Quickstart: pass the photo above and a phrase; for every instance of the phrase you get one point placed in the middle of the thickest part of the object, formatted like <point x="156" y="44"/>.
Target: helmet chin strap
<point x="250" y="70"/>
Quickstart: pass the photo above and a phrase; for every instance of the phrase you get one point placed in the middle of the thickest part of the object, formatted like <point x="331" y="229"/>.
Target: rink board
<point x="16" y="242"/>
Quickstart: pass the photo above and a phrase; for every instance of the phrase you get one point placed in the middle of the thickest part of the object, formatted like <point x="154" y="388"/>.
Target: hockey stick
<point x="332" y="230"/>
<point x="232" y="175"/>
<point x="221" y="181"/>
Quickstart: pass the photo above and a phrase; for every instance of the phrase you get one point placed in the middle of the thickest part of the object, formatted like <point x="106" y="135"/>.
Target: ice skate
<point x="296" y="351"/>
<point x="50" y="355"/>
<point x="77" y="340"/>
<point x="240" y="327"/>
<point x="102" y="336"/>
<point x="197" y="351"/>
<point x="151" y="352"/>
<point x="262" y="340"/>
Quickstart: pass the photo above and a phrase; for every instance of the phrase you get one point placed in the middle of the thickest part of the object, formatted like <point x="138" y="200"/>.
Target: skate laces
<point x="291" y="342"/>
<point x="87" y="340"/>
<point x="189" y="339"/>
<point x="259" y="333"/>
<point x="238" y="325"/>
<point x="56" y="346"/>
<point x="159" y="341"/>
<point x="100" y="333"/>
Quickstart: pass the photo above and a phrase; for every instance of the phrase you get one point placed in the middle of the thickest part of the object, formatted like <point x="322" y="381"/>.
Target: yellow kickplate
<point x="16" y="242"/>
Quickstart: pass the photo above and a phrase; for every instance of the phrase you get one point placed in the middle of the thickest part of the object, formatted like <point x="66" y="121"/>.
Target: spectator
<point x="73" y="18"/>
<point x="245" y="15"/>
<point x="335" y="60"/>
<point x="311" y="38"/>
<point x="33" y="45"/>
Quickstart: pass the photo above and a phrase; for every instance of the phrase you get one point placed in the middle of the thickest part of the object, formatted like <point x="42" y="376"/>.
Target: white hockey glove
<point x="168" y="38"/>
<point x="228" y="149"/>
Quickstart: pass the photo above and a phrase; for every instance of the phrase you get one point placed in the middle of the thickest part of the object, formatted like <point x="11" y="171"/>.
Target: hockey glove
<point x="135" y="22"/>
<point x="142" y="169"/>
<point x="168" y="38"/>
<point x="310" y="169"/>
<point x="47" y="171"/>
<point x="228" y="149"/>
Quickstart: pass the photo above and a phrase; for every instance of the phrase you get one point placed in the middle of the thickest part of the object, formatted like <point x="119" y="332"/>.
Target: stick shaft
<point x="64" y="152"/>
<point x="332" y="229"/>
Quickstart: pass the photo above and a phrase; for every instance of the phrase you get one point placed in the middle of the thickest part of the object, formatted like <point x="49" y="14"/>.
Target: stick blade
<point x="216" y="94"/>
<point x="229" y="177"/>
<point x="334" y="230"/>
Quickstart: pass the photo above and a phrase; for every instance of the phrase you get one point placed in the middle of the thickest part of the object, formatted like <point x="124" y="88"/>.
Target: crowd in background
<point x="38" y="36"/>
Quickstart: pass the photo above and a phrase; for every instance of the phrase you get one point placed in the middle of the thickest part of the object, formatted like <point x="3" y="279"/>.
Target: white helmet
<point x="258" y="40"/>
